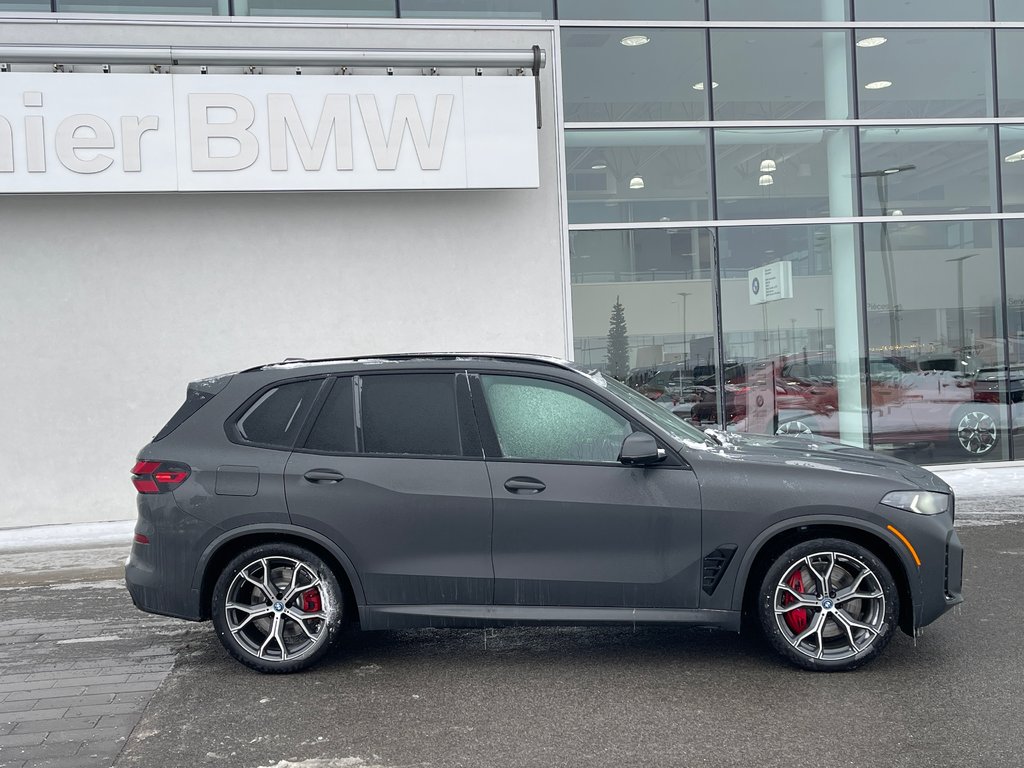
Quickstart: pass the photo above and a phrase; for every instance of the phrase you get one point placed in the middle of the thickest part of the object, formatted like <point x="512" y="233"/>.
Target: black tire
<point x="277" y="608"/>
<point x="835" y="629"/>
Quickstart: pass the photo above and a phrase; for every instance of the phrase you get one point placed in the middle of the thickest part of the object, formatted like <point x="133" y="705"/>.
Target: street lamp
<point x="881" y="178"/>
<point x="960" y="294"/>
<point x="686" y="346"/>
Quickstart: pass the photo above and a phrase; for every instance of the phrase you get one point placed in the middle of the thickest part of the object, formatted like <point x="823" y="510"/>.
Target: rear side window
<point x="275" y="419"/>
<point x="335" y="428"/>
<point x="410" y="414"/>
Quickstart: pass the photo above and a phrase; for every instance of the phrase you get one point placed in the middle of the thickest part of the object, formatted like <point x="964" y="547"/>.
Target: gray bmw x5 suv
<point x="479" y="490"/>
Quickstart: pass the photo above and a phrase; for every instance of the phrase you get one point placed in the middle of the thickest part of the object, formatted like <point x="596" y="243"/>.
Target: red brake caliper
<point x="311" y="601"/>
<point x="797" y="618"/>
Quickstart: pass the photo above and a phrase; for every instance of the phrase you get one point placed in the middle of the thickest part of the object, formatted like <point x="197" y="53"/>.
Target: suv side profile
<point x="481" y="490"/>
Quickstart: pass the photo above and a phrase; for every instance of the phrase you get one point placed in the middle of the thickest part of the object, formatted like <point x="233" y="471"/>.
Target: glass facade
<point x="822" y="268"/>
<point x="812" y="211"/>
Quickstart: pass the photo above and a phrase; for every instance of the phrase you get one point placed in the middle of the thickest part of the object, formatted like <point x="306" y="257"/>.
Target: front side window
<point x="276" y="417"/>
<point x="545" y="421"/>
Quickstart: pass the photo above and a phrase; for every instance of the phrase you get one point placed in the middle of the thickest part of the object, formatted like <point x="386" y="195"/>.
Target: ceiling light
<point x="598" y="167"/>
<point x="1016" y="157"/>
<point x="766" y="180"/>
<point x="890" y="171"/>
<point x="895" y="212"/>
<point x="700" y="86"/>
<point x="870" y="42"/>
<point x="767" y="166"/>
<point x="877" y="85"/>
<point x="631" y="41"/>
<point x="637" y="182"/>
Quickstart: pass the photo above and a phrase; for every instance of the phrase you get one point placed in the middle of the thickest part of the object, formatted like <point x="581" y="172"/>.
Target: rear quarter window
<point x="276" y="417"/>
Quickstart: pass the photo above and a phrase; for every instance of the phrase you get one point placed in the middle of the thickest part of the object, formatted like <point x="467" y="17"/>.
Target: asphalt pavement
<point x="87" y="680"/>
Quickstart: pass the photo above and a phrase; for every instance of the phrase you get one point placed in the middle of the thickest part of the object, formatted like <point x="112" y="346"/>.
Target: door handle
<point x="324" y="476"/>
<point x="524" y="485"/>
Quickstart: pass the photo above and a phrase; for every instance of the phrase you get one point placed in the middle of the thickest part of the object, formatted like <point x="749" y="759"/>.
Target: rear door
<point x="573" y="526"/>
<point x="392" y="471"/>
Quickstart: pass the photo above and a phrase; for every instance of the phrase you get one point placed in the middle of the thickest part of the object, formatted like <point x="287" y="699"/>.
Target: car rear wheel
<point x="977" y="432"/>
<point x="796" y="427"/>
<point x="277" y="608"/>
<point x="828" y="605"/>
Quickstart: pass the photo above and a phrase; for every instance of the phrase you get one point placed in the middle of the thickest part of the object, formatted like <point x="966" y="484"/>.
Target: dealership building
<point x="809" y="213"/>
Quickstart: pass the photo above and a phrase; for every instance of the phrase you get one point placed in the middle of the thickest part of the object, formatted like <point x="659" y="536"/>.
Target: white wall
<point x="110" y="304"/>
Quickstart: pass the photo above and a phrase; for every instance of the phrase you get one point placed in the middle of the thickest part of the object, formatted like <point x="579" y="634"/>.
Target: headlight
<point x="921" y="502"/>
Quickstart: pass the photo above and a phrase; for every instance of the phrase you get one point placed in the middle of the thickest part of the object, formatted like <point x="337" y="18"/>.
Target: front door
<point x="573" y="526"/>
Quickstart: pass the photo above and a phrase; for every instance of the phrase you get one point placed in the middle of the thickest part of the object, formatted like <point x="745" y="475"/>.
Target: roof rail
<point x="512" y="356"/>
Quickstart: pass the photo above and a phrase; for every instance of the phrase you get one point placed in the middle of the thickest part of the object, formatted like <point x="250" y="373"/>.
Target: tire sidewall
<point x="328" y="584"/>
<point x="784" y="561"/>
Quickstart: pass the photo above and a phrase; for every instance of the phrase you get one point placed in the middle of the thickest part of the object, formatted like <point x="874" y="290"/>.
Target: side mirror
<point x="640" y="449"/>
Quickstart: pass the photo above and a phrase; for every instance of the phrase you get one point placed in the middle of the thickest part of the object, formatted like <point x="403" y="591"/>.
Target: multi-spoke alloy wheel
<point x="828" y="605"/>
<point x="977" y="432"/>
<point x="796" y="427"/>
<point x="277" y="607"/>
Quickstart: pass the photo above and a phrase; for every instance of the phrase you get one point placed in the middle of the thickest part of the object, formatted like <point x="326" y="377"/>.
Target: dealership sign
<point x="215" y="133"/>
<point x="771" y="282"/>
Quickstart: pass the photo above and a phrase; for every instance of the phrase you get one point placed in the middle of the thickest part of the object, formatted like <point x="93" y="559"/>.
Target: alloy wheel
<point x="829" y="606"/>
<point x="977" y="432"/>
<point x="277" y="609"/>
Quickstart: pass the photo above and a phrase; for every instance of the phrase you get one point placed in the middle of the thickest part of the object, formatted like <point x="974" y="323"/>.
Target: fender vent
<point x="715" y="565"/>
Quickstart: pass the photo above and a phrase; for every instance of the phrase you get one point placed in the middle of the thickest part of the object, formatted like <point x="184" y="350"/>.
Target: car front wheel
<point x="828" y="605"/>
<point x="277" y="608"/>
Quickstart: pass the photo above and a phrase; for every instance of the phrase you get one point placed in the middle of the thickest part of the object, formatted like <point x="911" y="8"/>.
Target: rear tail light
<point x="986" y="397"/>
<point x="159" y="476"/>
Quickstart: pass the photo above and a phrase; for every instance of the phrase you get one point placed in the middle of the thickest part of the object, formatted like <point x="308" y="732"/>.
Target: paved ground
<point x="86" y="680"/>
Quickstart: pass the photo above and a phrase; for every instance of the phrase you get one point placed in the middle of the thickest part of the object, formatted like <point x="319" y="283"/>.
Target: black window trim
<point x="489" y="436"/>
<point x="231" y="423"/>
<point x="468" y="431"/>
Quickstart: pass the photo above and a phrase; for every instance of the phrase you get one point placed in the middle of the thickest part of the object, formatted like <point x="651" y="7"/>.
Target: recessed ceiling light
<point x="878" y="85"/>
<point x="598" y="167"/>
<point x="871" y="42"/>
<point x="700" y="86"/>
<point x="632" y="41"/>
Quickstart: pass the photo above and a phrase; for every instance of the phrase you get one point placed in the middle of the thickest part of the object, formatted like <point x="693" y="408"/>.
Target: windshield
<point x="668" y="421"/>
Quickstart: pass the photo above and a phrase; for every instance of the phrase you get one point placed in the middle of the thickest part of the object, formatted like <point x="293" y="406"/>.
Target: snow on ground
<point x="70" y="536"/>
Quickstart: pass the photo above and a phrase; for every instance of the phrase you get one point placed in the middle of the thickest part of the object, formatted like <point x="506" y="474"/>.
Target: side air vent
<point x="715" y="565"/>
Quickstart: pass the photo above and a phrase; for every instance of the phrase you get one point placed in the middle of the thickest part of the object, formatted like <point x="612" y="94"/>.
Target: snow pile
<point x="71" y="536"/>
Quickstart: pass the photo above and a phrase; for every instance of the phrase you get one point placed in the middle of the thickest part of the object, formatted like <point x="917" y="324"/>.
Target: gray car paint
<point x="744" y="492"/>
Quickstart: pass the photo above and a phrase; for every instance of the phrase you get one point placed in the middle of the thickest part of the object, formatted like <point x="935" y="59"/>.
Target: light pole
<point x="686" y="346"/>
<point x="960" y="295"/>
<point x="888" y="268"/>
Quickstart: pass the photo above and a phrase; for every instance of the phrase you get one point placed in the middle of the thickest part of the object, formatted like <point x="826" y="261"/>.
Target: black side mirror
<point x="639" y="449"/>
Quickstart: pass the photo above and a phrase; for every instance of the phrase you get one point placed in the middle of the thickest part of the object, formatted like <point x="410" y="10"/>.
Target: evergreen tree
<point x="618" y="343"/>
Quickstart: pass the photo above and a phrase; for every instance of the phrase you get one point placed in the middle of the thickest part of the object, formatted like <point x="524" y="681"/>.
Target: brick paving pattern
<point x="72" y="689"/>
